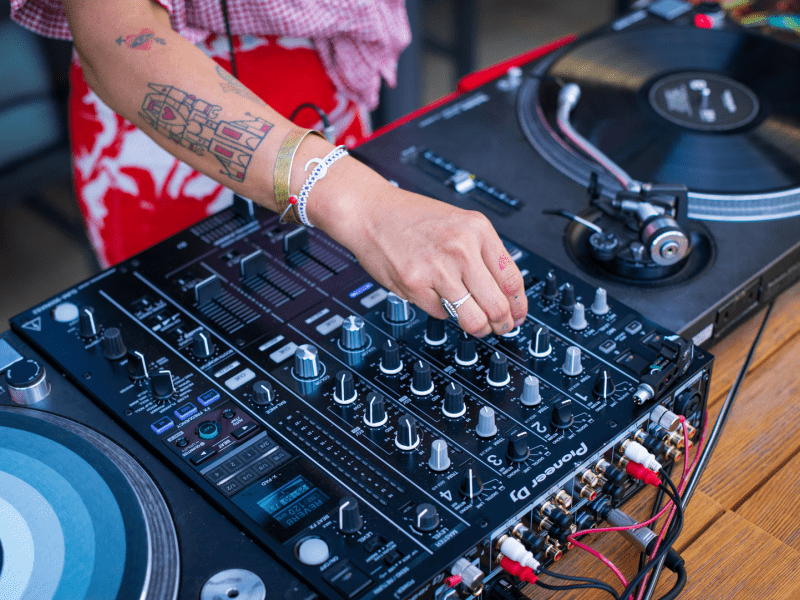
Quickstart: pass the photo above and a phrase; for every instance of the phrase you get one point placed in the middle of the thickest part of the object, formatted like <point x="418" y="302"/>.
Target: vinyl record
<point x="79" y="517"/>
<point x="715" y="110"/>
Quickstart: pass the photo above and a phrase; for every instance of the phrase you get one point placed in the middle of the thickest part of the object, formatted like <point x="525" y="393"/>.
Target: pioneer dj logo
<point x="524" y="493"/>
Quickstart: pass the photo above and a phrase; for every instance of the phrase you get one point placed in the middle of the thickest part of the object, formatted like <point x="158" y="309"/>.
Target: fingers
<point x="491" y="301"/>
<point x="508" y="279"/>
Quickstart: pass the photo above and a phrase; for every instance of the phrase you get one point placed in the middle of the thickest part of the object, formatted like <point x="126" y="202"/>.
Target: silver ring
<point x="452" y="307"/>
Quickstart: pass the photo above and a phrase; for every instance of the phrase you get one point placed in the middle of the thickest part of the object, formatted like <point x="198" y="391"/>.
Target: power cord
<point x="230" y="37"/>
<point x="327" y="129"/>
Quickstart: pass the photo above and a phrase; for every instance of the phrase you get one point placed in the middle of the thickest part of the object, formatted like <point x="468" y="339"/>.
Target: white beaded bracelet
<point x="318" y="173"/>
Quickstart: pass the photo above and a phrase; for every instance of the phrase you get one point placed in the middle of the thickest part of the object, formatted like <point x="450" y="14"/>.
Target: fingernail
<point x="519" y="322"/>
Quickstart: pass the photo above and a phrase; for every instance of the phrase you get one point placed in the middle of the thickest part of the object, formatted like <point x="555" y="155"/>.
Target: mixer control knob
<point x="426" y="518"/>
<point x="466" y="354"/>
<point x="113" y="346"/>
<point x="202" y="345"/>
<point x="454" y="406"/>
<point x="375" y="412"/>
<point x="163" y="387"/>
<point x="498" y="370"/>
<point x="550" y="292"/>
<point x="435" y="333"/>
<point x="578" y="319"/>
<point x="603" y="385"/>
<point x="562" y="414"/>
<point x="390" y="361"/>
<point x="306" y="362"/>
<point x="345" y="392"/>
<point x="137" y="365"/>
<point x="353" y="335"/>
<point x="397" y="309"/>
<point x="600" y="304"/>
<point x="471" y="484"/>
<point x="422" y="384"/>
<point x="350" y="520"/>
<point x="86" y="323"/>
<point x="439" y="460"/>
<point x="486" y="427"/>
<point x="517" y="450"/>
<point x="539" y="346"/>
<point x="567" y="296"/>
<point x="263" y="394"/>
<point x="572" y="363"/>
<point x="531" y="395"/>
<point x="407" y="437"/>
<point x="27" y="382"/>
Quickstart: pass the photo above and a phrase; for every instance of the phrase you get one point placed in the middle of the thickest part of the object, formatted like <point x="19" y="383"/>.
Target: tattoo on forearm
<point x="193" y="123"/>
<point x="234" y="85"/>
<point x="143" y="40"/>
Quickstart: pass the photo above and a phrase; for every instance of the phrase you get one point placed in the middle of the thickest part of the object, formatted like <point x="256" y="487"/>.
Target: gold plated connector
<point x="564" y="500"/>
<point x="588" y="492"/>
<point x="589" y="478"/>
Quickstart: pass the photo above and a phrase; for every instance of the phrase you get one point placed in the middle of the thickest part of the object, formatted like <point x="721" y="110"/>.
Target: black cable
<point x="322" y="115"/>
<point x="595" y="582"/>
<point x="656" y="507"/>
<point x="230" y="37"/>
<point x="560" y="588"/>
<point x="679" y="584"/>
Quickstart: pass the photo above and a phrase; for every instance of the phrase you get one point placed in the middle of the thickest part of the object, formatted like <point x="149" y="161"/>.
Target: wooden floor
<point x="741" y="539"/>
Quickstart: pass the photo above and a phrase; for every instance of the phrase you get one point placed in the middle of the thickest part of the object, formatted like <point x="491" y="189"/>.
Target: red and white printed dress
<point x="132" y="193"/>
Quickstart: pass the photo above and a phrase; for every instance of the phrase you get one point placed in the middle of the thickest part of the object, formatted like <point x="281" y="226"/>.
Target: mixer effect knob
<point x="407" y="437"/>
<point x="550" y="292"/>
<point x="531" y="396"/>
<point x="306" y="362"/>
<point x="600" y="304"/>
<point x="454" y="406"/>
<point x="27" y="382"/>
<point x="578" y="319"/>
<point x="397" y="309"/>
<point x="422" y="384"/>
<point x="567" y="296"/>
<point x="562" y="414"/>
<point x="86" y="323"/>
<point x="353" y="335"/>
<point x="426" y="518"/>
<point x="202" y="345"/>
<point x="113" y="346"/>
<point x="471" y="484"/>
<point x="350" y="520"/>
<point x="163" y="387"/>
<point x="518" y="450"/>
<point x="603" y="385"/>
<point x="263" y="394"/>
<point x="539" y="346"/>
<point x="345" y="392"/>
<point x="572" y="364"/>
<point x="498" y="370"/>
<point x="439" y="460"/>
<point x="390" y="361"/>
<point x="466" y="354"/>
<point x="435" y="333"/>
<point x="375" y="412"/>
<point x="486" y="427"/>
<point x="137" y="365"/>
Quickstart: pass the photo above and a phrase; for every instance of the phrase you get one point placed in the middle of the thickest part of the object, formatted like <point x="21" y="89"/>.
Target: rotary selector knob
<point x="397" y="309"/>
<point x="466" y="353"/>
<point x="486" y="426"/>
<point x="202" y="344"/>
<point x="572" y="366"/>
<point x="422" y="383"/>
<point x="531" y="396"/>
<point x="578" y="319"/>
<point x="539" y="346"/>
<point x="345" y="391"/>
<point x="562" y="414"/>
<point x="306" y="362"/>
<point x="604" y="384"/>
<point x="567" y="296"/>
<point x="375" y="412"/>
<point x="435" y="332"/>
<point x="350" y="520"/>
<point x="471" y="484"/>
<point x="87" y="327"/>
<point x="163" y="386"/>
<point x="600" y="304"/>
<point x="453" y="406"/>
<point x="517" y="449"/>
<point x="391" y="363"/>
<point x="426" y="517"/>
<point x="439" y="460"/>
<point x="137" y="365"/>
<point x="27" y="382"/>
<point x="498" y="370"/>
<point x="113" y="346"/>
<point x="550" y="292"/>
<point x="354" y="336"/>
<point x="263" y="394"/>
<point x="407" y="437"/>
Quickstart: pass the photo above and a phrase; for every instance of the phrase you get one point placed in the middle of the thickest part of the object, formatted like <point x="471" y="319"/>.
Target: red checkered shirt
<point x="358" y="41"/>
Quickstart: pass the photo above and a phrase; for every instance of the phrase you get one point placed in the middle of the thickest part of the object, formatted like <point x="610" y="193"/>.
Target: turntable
<point x="658" y="157"/>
